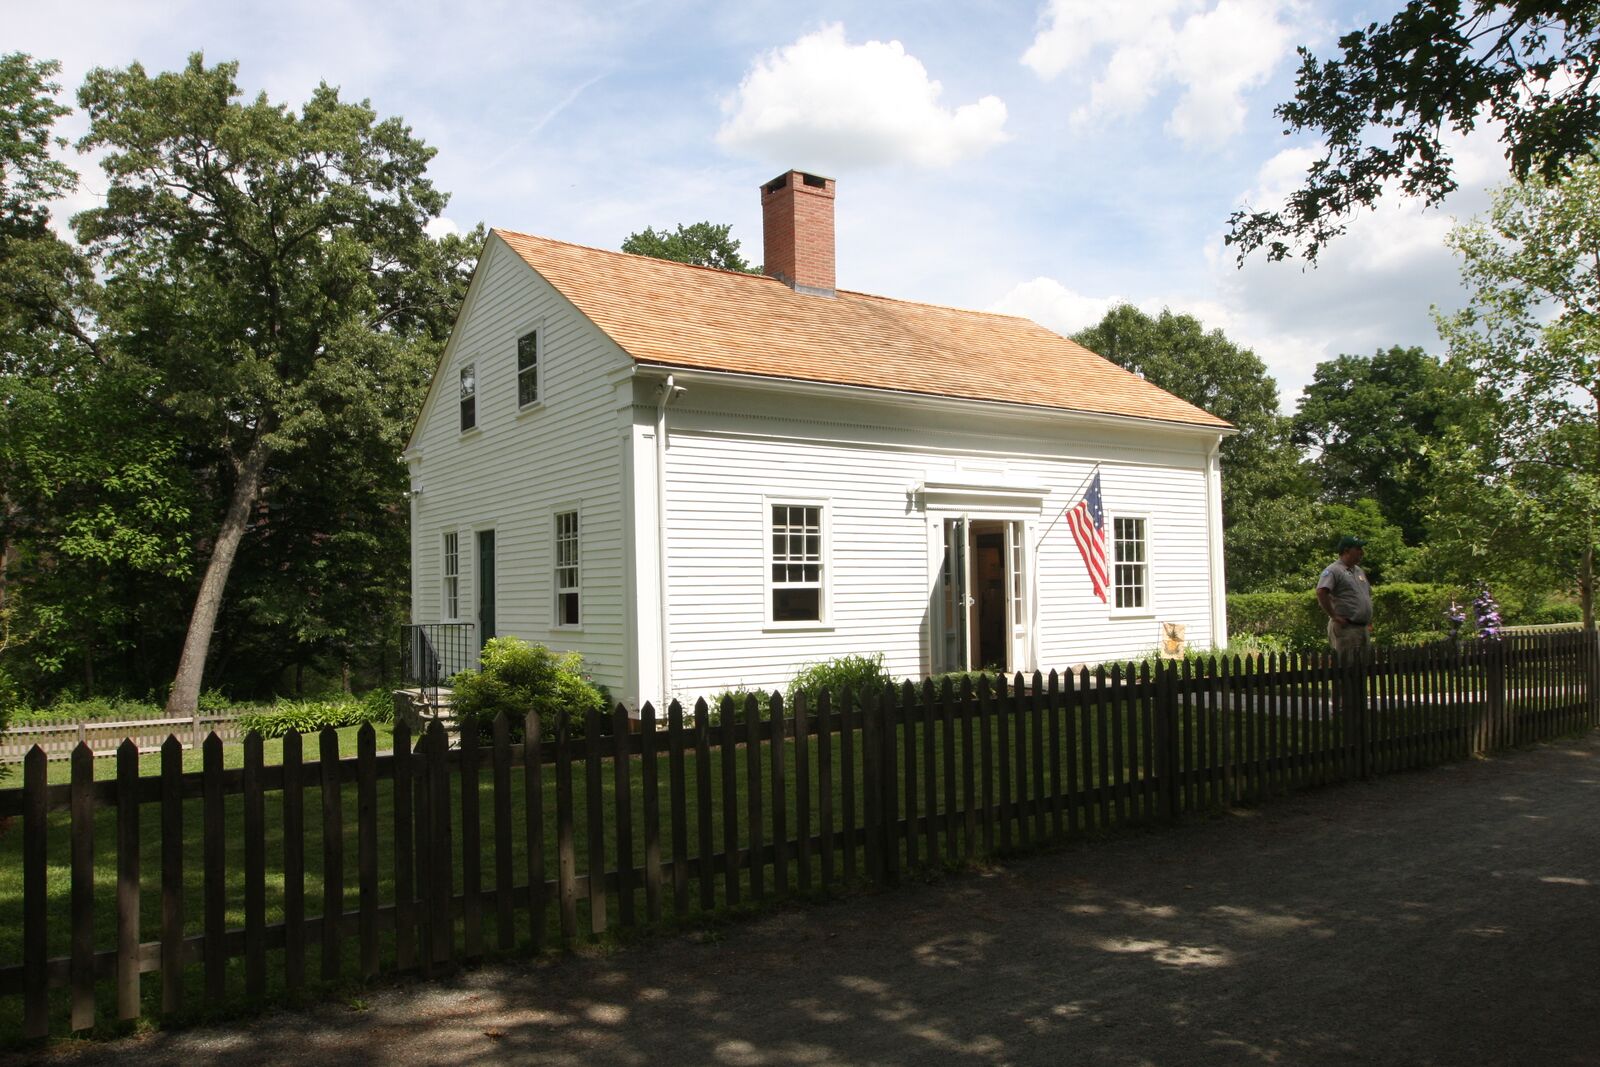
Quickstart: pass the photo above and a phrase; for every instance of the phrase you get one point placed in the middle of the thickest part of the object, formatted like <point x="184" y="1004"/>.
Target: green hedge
<point x="1402" y="613"/>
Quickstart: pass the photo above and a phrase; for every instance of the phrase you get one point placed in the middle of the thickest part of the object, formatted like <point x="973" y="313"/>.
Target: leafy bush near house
<point x="740" y="696"/>
<point x="856" y="673"/>
<point x="516" y="677"/>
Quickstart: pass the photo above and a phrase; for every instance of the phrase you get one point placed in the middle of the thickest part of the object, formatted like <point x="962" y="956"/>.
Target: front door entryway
<point x="983" y="622"/>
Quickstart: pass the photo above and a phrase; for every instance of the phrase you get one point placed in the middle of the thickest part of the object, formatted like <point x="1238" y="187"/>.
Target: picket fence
<point x="693" y="816"/>
<point x="60" y="740"/>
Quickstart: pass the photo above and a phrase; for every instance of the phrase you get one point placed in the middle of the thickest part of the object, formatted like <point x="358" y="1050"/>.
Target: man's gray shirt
<point x="1348" y="589"/>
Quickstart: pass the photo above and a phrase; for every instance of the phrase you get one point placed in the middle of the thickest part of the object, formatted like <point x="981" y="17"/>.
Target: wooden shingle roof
<point x="674" y="315"/>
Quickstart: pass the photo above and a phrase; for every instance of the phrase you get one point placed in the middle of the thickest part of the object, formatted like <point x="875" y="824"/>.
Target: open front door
<point x="956" y="582"/>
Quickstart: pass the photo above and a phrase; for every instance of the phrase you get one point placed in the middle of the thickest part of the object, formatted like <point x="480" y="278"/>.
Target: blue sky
<point x="1046" y="158"/>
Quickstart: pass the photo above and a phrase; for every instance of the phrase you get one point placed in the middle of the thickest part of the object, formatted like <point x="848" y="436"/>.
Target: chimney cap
<point x="815" y="181"/>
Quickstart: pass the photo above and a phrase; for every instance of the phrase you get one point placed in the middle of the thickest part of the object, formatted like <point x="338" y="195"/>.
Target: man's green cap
<point x="1347" y="541"/>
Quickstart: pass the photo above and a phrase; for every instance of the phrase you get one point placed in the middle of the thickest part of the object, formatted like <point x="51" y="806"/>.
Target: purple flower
<point x="1487" y="612"/>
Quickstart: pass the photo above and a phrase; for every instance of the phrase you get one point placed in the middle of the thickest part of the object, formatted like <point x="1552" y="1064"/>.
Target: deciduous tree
<point x="705" y="244"/>
<point x="260" y="265"/>
<point x="1531" y="337"/>
<point x="1386" y="104"/>
<point x="1266" y="498"/>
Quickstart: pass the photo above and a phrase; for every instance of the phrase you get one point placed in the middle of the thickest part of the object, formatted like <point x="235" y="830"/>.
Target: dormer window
<point x="469" y="397"/>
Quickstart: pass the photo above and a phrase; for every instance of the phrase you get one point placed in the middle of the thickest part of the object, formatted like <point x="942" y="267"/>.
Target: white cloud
<point x="825" y="103"/>
<point x="1212" y="54"/>
<point x="1054" y="306"/>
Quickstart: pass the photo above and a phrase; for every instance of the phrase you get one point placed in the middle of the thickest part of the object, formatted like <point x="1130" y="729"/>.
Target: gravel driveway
<point x="1449" y="916"/>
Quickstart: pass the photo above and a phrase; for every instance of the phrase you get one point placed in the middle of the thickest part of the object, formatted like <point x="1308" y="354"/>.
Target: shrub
<point x="310" y="716"/>
<point x="856" y="673"/>
<point x="517" y="677"/>
<point x="740" y="697"/>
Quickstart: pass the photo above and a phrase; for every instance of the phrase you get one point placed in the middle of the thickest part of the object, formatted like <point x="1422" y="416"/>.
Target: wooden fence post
<point x="871" y="782"/>
<point x="1166" y="742"/>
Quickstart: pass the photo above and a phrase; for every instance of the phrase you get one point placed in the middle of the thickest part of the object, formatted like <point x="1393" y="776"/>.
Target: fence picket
<point x="622" y="811"/>
<point x="214" y="858"/>
<point x="594" y="805"/>
<point x="332" y="857"/>
<point x="1036" y="699"/>
<point x="128" y="874"/>
<point x="780" y="801"/>
<point x="367" y="848"/>
<point x="566" y="850"/>
<point x="752" y="781"/>
<point x="930" y="779"/>
<point x="969" y="791"/>
<point x="679" y="794"/>
<point x="35" y="902"/>
<point x="649" y="782"/>
<point x="947" y="733"/>
<point x="802" y="791"/>
<point x="986" y="760"/>
<point x="533" y="819"/>
<point x="505" y="930"/>
<point x="847" y="779"/>
<point x="441" y="851"/>
<point x="907" y="718"/>
<point x="255" y="866"/>
<point x="1019" y="713"/>
<point x="825" y="782"/>
<point x="730" y="802"/>
<point x="294" y="862"/>
<point x="405" y="930"/>
<point x="470" y="741"/>
<point x="1001" y="705"/>
<point x="703" y="801"/>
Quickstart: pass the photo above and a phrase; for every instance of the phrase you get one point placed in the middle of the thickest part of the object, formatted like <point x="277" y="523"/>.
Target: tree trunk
<point x="185" y="696"/>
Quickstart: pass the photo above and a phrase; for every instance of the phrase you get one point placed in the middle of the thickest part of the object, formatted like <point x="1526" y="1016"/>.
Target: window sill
<point x="1133" y="613"/>
<point x="797" y="627"/>
<point x="476" y="431"/>
<point x="528" y="409"/>
<point x="573" y="629"/>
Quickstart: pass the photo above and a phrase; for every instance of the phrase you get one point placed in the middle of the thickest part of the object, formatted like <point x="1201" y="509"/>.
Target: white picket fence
<point x="58" y="740"/>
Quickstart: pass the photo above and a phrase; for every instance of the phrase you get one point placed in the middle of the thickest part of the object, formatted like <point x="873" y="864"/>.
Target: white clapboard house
<point x="703" y="479"/>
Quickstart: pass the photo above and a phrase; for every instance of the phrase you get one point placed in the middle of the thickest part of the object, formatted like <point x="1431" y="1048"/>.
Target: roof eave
<point x="812" y="387"/>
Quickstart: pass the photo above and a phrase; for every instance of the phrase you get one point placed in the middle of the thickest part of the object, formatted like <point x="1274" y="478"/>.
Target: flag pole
<point x="1072" y="498"/>
<point x="1033" y="569"/>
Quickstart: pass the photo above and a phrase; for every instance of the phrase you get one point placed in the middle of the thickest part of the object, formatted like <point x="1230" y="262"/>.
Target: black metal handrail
<point x="431" y="652"/>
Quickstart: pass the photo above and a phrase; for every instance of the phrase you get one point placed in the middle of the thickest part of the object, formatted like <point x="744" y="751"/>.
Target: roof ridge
<point x="634" y="255"/>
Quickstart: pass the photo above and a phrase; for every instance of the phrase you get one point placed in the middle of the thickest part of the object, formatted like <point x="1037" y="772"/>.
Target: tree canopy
<point x="1373" y="426"/>
<point x="231" y="383"/>
<point x="1529" y="338"/>
<point x="1265" y="496"/>
<point x="704" y="244"/>
<point x="1385" y="105"/>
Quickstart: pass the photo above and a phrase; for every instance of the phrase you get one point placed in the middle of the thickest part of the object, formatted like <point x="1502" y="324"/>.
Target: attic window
<point x="814" y="181"/>
<point x="528" y="369"/>
<point x="469" y="397"/>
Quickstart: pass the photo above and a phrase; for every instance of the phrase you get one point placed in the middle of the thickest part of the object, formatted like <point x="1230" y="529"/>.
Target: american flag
<point x="1088" y="521"/>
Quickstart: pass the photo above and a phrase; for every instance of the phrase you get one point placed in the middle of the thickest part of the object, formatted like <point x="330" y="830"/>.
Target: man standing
<point x="1345" y="595"/>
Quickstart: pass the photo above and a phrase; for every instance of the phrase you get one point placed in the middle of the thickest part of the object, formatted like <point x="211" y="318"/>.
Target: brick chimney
<point x="797" y="231"/>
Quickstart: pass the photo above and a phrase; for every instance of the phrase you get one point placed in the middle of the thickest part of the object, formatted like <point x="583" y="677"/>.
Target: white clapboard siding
<point x="731" y="450"/>
<point x="518" y="468"/>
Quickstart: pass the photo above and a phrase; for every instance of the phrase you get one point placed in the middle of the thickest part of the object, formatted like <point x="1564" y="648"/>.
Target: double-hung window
<point x="452" y="577"/>
<point x="469" y="397"/>
<point x="568" y="576"/>
<point x="1131" y="563"/>
<point x="528" y="369"/>
<point x="796" y="563"/>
